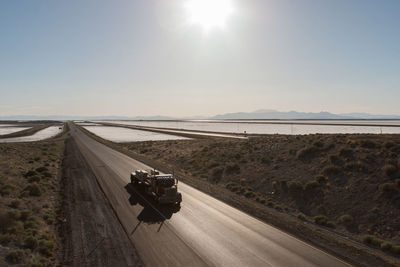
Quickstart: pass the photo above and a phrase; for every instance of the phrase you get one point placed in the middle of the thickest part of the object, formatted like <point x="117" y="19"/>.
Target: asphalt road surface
<point x="202" y="232"/>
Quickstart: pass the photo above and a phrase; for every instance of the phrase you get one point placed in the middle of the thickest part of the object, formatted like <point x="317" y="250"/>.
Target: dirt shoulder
<point x="93" y="236"/>
<point x="251" y="175"/>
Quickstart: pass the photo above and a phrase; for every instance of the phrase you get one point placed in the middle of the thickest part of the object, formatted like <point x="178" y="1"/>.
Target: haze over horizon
<point x="146" y="57"/>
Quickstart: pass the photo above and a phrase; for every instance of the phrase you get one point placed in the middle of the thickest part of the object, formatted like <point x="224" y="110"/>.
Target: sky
<point x="146" y="57"/>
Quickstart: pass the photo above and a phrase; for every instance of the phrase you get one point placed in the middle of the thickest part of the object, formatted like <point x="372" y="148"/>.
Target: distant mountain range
<point x="264" y="114"/>
<point x="295" y="115"/>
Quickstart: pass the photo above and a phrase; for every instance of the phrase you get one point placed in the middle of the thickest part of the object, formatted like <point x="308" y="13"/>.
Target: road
<point x="203" y="232"/>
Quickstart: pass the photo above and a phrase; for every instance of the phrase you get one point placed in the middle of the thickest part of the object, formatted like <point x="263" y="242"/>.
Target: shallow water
<point x="9" y="128"/>
<point x="87" y="124"/>
<point x="270" y="127"/>
<point x="40" y="135"/>
<point x="121" y="135"/>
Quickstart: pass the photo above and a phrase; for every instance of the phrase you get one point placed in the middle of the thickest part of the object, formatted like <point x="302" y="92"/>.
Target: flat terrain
<point x="203" y="231"/>
<point x="92" y="235"/>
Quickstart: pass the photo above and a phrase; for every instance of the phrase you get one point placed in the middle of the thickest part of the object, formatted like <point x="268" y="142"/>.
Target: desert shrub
<point x="213" y="164"/>
<point x="31" y="224"/>
<point x="330" y="224"/>
<point x="261" y="200"/>
<point x="301" y="216"/>
<point x="321" y="220"/>
<point x="5" y="239"/>
<point x="34" y="179"/>
<point x="232" y="168"/>
<point x="249" y="194"/>
<point x="34" y="190"/>
<point x="47" y="174"/>
<point x="15" y="256"/>
<point x="321" y="179"/>
<point x="389" y="144"/>
<point x="307" y="152"/>
<point x="15" y="203"/>
<point x="395" y="249"/>
<point x="356" y="166"/>
<point x="367" y="144"/>
<point x="340" y="181"/>
<point x="345" y="219"/>
<point x="386" y="246"/>
<point x="318" y="144"/>
<point x="241" y="190"/>
<point x="230" y="185"/>
<point x="234" y="188"/>
<point x="334" y="159"/>
<point x="346" y="153"/>
<point x="295" y="187"/>
<point x="24" y="215"/>
<point x="13" y="214"/>
<point x="41" y="169"/>
<point x="30" y="173"/>
<point x="284" y="185"/>
<point x="31" y="242"/>
<point x="311" y="186"/>
<point x="216" y="174"/>
<point x="389" y="170"/>
<point x="331" y="170"/>
<point x="5" y="221"/>
<point x="387" y="187"/>
<point x="49" y="217"/>
<point x="372" y="240"/>
<point x="45" y="247"/>
<point x="6" y="189"/>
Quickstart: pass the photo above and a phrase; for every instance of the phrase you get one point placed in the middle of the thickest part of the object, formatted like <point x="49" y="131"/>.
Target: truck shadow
<point x="152" y="213"/>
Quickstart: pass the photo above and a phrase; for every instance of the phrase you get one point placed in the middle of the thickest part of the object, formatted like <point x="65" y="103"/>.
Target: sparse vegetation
<point x="331" y="170"/>
<point x="345" y="219"/>
<point x="352" y="180"/>
<point x="295" y="187"/>
<point x="389" y="169"/>
<point x="321" y="220"/>
<point x="387" y="187"/>
<point x="15" y="256"/>
<point x="25" y="182"/>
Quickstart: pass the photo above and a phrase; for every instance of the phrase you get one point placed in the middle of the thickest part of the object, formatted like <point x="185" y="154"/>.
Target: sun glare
<point x="209" y="14"/>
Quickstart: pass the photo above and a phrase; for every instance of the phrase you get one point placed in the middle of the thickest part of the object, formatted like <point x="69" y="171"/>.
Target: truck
<point x="163" y="188"/>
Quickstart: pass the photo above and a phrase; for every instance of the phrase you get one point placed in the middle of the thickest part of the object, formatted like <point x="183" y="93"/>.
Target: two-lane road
<point x="205" y="231"/>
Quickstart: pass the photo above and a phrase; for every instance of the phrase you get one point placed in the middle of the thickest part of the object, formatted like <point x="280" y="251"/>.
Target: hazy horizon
<point x="264" y="114"/>
<point x="146" y="57"/>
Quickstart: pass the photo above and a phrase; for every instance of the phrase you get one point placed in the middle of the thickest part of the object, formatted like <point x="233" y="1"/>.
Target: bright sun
<point x="209" y="14"/>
